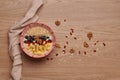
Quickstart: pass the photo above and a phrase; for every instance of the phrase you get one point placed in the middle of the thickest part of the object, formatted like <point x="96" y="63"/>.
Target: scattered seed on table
<point x="85" y="52"/>
<point x="95" y="43"/>
<point x="56" y="54"/>
<point x="94" y="50"/>
<point x="64" y="46"/>
<point x="66" y="36"/>
<point x="47" y="58"/>
<point x="79" y="52"/>
<point x="51" y="58"/>
<point x="63" y="51"/>
<point x="75" y="38"/>
<point x="104" y="44"/>
<point x="70" y="33"/>
<point x="66" y="42"/>
<point x="72" y="30"/>
<point x="64" y="20"/>
<point x="86" y="44"/>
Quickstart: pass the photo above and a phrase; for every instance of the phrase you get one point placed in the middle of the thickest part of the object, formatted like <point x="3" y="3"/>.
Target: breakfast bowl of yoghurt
<point x="37" y="40"/>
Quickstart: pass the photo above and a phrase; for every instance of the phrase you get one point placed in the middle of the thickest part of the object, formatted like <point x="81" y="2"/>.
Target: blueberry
<point x="30" y="38"/>
<point x="26" y="37"/>
<point x="43" y="37"/>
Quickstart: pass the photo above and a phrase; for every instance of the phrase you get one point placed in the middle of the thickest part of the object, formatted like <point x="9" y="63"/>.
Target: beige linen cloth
<point x="14" y="32"/>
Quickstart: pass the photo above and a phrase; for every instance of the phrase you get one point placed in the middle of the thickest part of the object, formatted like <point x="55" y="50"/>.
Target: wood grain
<point x="102" y="17"/>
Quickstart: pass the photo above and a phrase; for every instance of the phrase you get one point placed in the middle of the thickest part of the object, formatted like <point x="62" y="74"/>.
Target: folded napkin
<point x="14" y="32"/>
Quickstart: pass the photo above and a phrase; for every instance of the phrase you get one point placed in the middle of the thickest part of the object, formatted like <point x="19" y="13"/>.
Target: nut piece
<point x="57" y="23"/>
<point x="57" y="45"/>
<point x="72" y="50"/>
<point x="86" y="44"/>
<point x="89" y="35"/>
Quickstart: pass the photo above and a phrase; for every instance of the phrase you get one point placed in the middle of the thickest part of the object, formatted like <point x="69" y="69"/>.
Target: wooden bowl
<point x="26" y="32"/>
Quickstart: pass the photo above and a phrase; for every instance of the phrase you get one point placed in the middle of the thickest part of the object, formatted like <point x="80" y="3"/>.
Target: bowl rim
<point x="33" y="25"/>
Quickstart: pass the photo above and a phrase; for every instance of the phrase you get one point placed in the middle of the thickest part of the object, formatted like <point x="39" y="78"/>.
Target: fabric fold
<point x="14" y="32"/>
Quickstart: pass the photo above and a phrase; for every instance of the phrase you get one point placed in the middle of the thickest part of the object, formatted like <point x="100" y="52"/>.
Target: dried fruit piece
<point x="57" y="23"/>
<point x="49" y="41"/>
<point x="57" y="45"/>
<point x="72" y="50"/>
<point x="86" y="44"/>
<point x="89" y="35"/>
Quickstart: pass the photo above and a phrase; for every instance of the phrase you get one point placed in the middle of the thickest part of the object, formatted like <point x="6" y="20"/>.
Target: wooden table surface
<point x="101" y="17"/>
